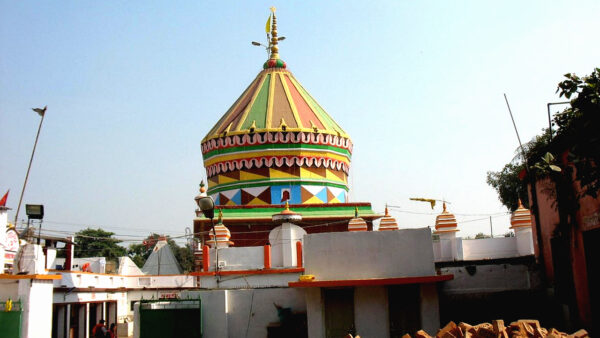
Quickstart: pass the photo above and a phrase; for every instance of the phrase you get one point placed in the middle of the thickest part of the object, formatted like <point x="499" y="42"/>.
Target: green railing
<point x="11" y="314"/>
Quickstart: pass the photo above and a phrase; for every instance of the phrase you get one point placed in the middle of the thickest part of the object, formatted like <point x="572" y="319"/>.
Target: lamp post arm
<point x="29" y="168"/>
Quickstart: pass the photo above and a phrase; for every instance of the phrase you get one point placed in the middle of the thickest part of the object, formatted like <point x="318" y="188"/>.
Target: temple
<point x="276" y="144"/>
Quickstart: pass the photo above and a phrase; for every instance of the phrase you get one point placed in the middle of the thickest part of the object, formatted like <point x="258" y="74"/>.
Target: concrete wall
<point x="251" y="311"/>
<point x="239" y="258"/>
<point x="369" y="254"/>
<point x="244" y="313"/>
<point x="489" y="248"/>
<point x="486" y="278"/>
<point x="84" y="280"/>
<point x="371" y="312"/>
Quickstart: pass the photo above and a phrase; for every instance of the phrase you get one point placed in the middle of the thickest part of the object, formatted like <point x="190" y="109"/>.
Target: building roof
<point x="275" y="101"/>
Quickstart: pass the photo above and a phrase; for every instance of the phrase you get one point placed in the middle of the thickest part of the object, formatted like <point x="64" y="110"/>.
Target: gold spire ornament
<point x="274" y="39"/>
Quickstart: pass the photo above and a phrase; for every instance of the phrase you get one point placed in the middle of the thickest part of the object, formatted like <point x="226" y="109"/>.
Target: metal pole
<point x="29" y="168"/>
<point x="491" y="229"/>
<point x="212" y="221"/>
<point x="533" y="206"/>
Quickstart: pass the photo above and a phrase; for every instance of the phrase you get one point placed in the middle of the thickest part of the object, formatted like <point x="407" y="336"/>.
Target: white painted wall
<point x="369" y="254"/>
<point x="489" y="248"/>
<point x="248" y="281"/>
<point x="371" y="312"/>
<point x="238" y="258"/>
<point x="487" y="278"/>
<point x="251" y="311"/>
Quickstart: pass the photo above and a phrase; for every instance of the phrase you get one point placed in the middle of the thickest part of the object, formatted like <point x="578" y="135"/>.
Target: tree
<point x="578" y="133"/>
<point x="575" y="144"/>
<point x="481" y="235"/>
<point x="98" y="243"/>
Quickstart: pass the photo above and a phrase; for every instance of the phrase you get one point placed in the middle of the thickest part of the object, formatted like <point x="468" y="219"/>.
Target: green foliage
<point x="578" y="133"/>
<point x="139" y="253"/>
<point x="97" y="243"/>
<point x="508" y="185"/>
<point x="576" y="143"/>
<point x="481" y="235"/>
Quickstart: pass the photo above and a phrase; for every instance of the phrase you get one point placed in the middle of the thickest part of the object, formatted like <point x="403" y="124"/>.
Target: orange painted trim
<point x="372" y="282"/>
<point x="248" y="272"/>
<point x="205" y="257"/>
<point x="267" y="256"/>
<point x="299" y="254"/>
<point x="44" y="277"/>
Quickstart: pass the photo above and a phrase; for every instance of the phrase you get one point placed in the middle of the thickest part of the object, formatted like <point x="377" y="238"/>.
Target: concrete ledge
<point x="372" y="282"/>
<point x="247" y="272"/>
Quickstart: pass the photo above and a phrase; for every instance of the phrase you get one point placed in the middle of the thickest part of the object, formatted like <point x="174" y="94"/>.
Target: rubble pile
<point x="523" y="328"/>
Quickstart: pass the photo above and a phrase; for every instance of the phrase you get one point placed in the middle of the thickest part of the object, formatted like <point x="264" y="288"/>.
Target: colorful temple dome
<point x="276" y="144"/>
<point x="357" y="223"/>
<point x="445" y="222"/>
<point x="222" y="234"/>
<point x="388" y="222"/>
<point x="521" y="217"/>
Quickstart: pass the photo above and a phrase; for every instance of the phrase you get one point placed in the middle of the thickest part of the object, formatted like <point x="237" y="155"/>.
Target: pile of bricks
<point x="523" y="328"/>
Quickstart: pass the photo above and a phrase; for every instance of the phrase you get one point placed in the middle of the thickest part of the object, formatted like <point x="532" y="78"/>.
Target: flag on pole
<point x="3" y="200"/>
<point x="268" y="25"/>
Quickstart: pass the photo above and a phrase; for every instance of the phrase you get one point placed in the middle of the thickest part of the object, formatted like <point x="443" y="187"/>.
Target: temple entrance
<point x="339" y="312"/>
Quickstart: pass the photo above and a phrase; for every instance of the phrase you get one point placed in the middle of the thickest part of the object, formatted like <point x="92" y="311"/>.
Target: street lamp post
<point x="42" y="113"/>
<point x="207" y="206"/>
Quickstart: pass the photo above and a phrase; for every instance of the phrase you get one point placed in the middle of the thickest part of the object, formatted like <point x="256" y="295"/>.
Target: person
<point x="99" y="330"/>
<point x="112" y="330"/>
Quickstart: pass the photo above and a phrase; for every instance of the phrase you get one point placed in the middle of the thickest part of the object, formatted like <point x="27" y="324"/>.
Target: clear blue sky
<point x="133" y="86"/>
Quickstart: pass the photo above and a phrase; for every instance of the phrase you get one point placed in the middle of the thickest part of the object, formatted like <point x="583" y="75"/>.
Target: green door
<point x="171" y="319"/>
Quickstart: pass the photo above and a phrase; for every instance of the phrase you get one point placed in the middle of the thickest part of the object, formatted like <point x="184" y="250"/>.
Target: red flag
<point x="3" y="200"/>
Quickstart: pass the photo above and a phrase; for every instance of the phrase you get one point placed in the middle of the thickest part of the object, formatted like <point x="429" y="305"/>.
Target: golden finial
<point x="274" y="39"/>
<point x="287" y="204"/>
<point x="220" y="216"/>
<point x="386" y="210"/>
<point x="444" y="206"/>
<point x="356" y="212"/>
<point x="273" y="9"/>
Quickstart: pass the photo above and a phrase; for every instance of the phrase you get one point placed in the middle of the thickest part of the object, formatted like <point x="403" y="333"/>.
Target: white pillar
<point x="36" y="299"/>
<point x="283" y="244"/>
<point x="68" y="321"/>
<point x="448" y="250"/>
<point x="60" y="322"/>
<point x="524" y="238"/>
<point x="3" y="224"/>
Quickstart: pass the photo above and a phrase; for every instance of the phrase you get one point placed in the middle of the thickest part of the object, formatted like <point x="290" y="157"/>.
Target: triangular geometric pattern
<point x="338" y="193"/>
<point x="314" y="194"/>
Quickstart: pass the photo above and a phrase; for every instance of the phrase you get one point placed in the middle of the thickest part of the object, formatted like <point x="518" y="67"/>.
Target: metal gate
<point x="11" y="314"/>
<point x="172" y="318"/>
